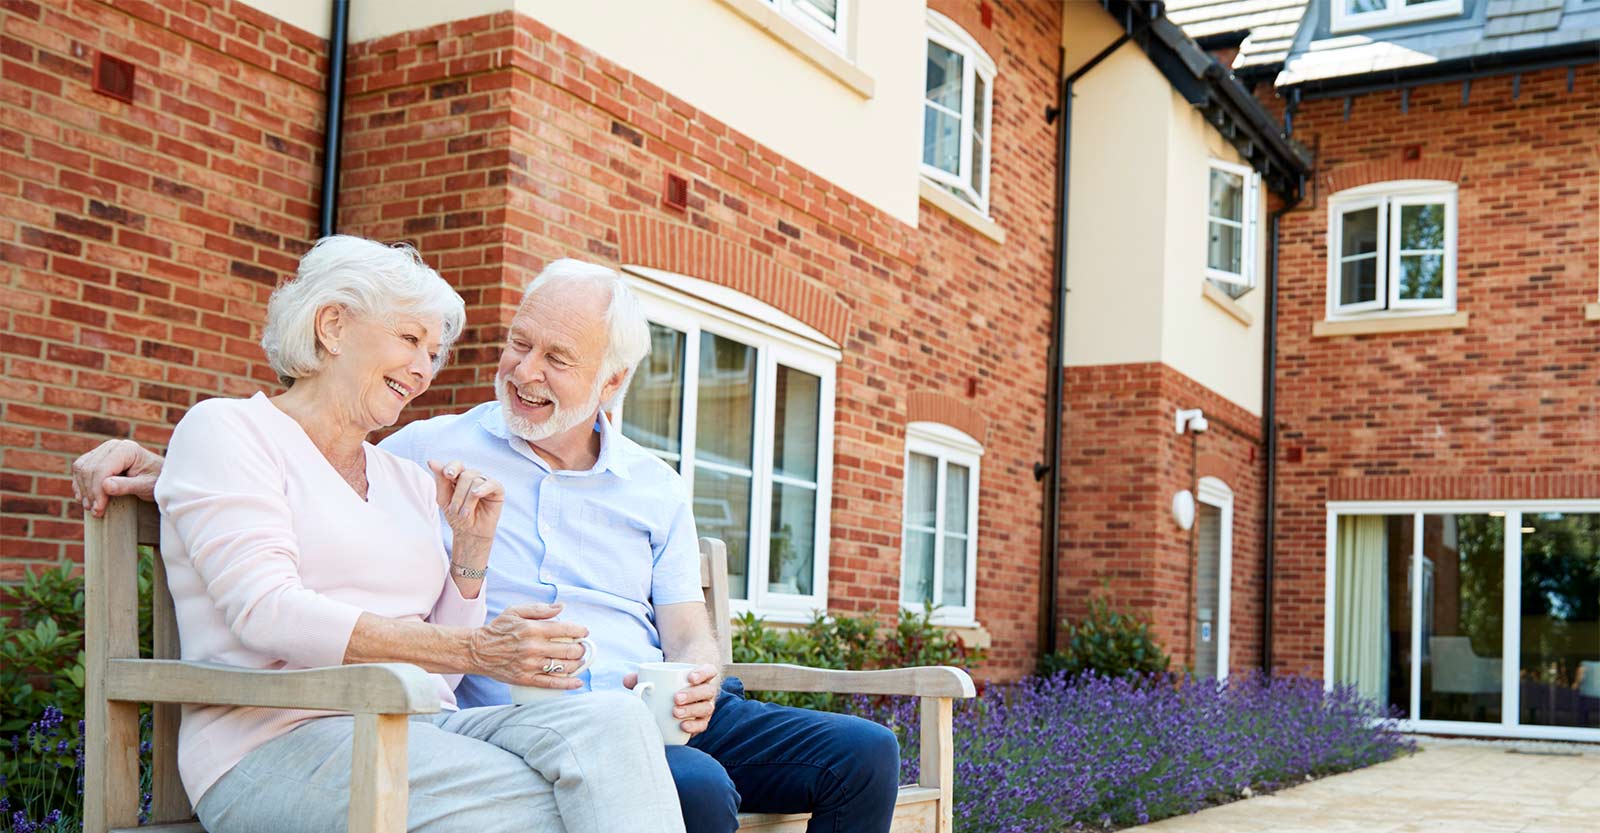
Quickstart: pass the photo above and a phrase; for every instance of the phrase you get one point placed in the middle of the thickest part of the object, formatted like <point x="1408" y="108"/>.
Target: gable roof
<point x="1487" y="34"/>
<point x="1268" y="27"/>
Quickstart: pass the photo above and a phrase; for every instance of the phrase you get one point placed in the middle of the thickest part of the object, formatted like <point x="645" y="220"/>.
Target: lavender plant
<point x="1090" y="752"/>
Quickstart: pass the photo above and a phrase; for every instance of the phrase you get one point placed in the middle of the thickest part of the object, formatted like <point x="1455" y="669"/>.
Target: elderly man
<point x="599" y="527"/>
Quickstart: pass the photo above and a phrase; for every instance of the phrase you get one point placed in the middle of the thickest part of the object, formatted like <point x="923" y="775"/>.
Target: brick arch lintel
<point x="1214" y="465"/>
<point x="1366" y="173"/>
<point x="928" y="406"/>
<point x="674" y="247"/>
<point x="968" y="14"/>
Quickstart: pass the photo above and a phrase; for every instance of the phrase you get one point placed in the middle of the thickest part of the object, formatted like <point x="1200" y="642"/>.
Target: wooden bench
<point x="381" y="696"/>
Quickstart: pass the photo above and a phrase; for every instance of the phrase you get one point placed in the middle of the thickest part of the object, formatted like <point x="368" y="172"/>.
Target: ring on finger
<point x="554" y="666"/>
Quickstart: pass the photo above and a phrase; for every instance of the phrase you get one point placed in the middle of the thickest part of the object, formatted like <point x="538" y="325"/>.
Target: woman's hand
<point x="516" y="646"/>
<point x="471" y="501"/>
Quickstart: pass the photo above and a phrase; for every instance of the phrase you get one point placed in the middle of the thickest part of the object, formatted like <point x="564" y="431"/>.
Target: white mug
<point x="535" y="694"/>
<point x="658" y="685"/>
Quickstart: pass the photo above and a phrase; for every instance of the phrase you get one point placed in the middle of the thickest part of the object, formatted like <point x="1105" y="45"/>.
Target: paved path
<point x="1448" y="786"/>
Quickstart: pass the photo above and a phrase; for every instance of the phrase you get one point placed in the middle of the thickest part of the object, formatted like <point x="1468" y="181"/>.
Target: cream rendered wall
<point x="1115" y="256"/>
<point x="705" y="53"/>
<point x="1198" y="338"/>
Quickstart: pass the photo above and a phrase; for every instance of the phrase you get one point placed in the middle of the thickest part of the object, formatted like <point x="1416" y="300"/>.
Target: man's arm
<point x="115" y="467"/>
<point x="686" y="636"/>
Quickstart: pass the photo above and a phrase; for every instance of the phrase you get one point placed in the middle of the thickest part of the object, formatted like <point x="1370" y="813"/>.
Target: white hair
<point x="627" y="329"/>
<point x="364" y="277"/>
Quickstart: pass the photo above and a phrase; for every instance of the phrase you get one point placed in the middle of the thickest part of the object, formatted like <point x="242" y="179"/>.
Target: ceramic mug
<point x="535" y="694"/>
<point x="659" y="684"/>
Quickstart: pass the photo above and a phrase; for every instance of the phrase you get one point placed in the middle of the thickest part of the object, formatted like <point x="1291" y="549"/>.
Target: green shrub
<point x="846" y="642"/>
<point x="1109" y="643"/>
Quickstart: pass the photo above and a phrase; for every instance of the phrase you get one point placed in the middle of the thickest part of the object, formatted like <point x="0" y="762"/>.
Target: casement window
<point x="1392" y="249"/>
<point x="958" y="95"/>
<point x="1349" y="15"/>
<point x="824" y="19"/>
<point x="939" y="531"/>
<point x="738" y="397"/>
<point x="1231" y="227"/>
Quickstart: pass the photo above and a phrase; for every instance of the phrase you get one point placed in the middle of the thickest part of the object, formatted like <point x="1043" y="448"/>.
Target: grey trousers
<point x="590" y="763"/>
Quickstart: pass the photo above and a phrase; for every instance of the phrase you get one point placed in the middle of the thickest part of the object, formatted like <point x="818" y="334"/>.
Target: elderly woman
<point x="291" y="542"/>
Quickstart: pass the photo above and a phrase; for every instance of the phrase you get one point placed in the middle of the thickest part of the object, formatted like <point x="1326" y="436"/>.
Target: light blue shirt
<point x="609" y="543"/>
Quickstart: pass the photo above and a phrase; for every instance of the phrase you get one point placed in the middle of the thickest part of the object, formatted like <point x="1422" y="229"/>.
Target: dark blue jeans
<point x="761" y="758"/>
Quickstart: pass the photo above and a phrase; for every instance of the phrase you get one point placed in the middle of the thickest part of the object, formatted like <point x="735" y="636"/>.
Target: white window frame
<point x="692" y="307"/>
<point x="1511" y="632"/>
<point x="975" y="63"/>
<point x="1395" y="11"/>
<point x="946" y="445"/>
<point x="804" y="16"/>
<point x="1213" y="492"/>
<point x="1386" y="197"/>
<point x="1248" y="228"/>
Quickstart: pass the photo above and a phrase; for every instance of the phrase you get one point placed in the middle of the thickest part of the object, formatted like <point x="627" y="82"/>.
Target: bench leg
<point x="378" y="788"/>
<point x="938" y="756"/>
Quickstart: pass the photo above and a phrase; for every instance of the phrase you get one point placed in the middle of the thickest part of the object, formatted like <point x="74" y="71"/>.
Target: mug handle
<point x="641" y="687"/>
<point x="588" y="655"/>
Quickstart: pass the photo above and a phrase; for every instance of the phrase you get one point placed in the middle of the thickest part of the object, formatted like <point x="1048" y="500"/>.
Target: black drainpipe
<point x="328" y="221"/>
<point x="1051" y="468"/>
<point x="1269" y="419"/>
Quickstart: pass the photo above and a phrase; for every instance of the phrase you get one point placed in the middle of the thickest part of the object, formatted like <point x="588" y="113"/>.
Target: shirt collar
<point x="611" y="459"/>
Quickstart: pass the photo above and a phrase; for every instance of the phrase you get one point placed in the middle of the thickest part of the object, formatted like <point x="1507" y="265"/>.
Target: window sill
<point x="951" y="204"/>
<point x="973" y="636"/>
<point x="804" y="44"/>
<point x="1228" y="305"/>
<point x="1591" y="312"/>
<point x="1390" y="324"/>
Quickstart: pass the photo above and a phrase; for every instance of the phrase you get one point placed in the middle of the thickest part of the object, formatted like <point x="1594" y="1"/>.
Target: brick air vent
<point x="677" y="194"/>
<point x="113" y="77"/>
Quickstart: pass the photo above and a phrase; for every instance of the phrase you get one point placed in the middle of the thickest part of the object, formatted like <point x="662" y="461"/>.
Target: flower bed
<point x="1049" y="754"/>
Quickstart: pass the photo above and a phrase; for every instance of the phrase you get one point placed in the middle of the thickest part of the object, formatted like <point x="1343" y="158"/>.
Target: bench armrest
<point x="924" y="681"/>
<point x="377" y="688"/>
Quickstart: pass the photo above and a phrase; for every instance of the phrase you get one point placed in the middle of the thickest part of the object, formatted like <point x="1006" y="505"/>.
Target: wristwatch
<point x="467" y="572"/>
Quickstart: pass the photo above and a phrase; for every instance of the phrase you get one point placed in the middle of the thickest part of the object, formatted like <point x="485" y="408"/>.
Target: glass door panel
<point x="1372" y="607"/>
<point x="1559" y="666"/>
<point x="1463" y="617"/>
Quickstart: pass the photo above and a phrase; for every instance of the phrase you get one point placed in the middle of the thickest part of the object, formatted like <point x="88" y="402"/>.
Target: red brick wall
<point x="1501" y="409"/>
<point x="496" y="145"/>
<point x="1124" y="461"/>
<point x="138" y="242"/>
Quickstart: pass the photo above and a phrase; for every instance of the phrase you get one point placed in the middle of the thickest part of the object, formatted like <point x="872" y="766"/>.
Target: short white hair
<point x="365" y="277"/>
<point x="627" y="329"/>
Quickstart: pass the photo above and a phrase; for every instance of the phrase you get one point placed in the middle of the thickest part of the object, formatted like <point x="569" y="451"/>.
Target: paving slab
<point x="1448" y="786"/>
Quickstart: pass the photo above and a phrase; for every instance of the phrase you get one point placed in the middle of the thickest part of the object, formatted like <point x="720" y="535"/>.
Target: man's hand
<point x="693" y="705"/>
<point x="115" y="467"/>
<point x="515" y="646"/>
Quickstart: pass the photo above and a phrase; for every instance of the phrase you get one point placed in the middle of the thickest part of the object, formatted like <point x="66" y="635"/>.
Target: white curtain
<point x="1361" y="607"/>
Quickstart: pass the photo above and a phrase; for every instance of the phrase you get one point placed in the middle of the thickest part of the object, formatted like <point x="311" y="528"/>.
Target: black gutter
<point x="1444" y="72"/>
<point x="1269" y="426"/>
<point x="1051" y="468"/>
<point x="333" y="138"/>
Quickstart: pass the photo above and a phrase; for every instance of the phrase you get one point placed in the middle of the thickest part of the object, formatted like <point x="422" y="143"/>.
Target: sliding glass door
<point x="1469" y="618"/>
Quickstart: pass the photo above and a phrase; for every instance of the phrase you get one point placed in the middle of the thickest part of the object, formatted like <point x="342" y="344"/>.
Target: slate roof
<point x="1271" y="25"/>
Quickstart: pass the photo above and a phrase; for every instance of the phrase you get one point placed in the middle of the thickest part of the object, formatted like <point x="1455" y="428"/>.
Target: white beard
<point x="562" y="417"/>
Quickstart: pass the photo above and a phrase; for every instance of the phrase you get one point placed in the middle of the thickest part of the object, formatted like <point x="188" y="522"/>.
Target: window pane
<point x="825" y="12"/>
<point x="916" y="574"/>
<point x="954" y="591"/>
<point x="1422" y="227"/>
<point x="725" y="401"/>
<point x="1225" y="248"/>
<point x="794" y="434"/>
<point x="980" y="105"/>
<point x="944" y="77"/>
<point x="956" y="486"/>
<point x="722" y="510"/>
<point x="1463" y="611"/>
<point x="1560" y="664"/>
<point x="1422" y="277"/>
<point x="1358" y="281"/>
<point x="1372" y="607"/>
<point x="921" y="491"/>
<point x="941" y="140"/>
<point x="1232" y="290"/>
<point x="1363" y="6"/>
<point x="1359" y="231"/>
<point x="1227" y="195"/>
<point x="794" y="525"/>
<point x="653" y="416"/>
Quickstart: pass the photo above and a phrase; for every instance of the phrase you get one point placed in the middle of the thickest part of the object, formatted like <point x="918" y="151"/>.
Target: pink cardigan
<point x="272" y="557"/>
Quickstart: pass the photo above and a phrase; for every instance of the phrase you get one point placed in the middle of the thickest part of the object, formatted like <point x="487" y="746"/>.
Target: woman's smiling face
<point x="385" y="363"/>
